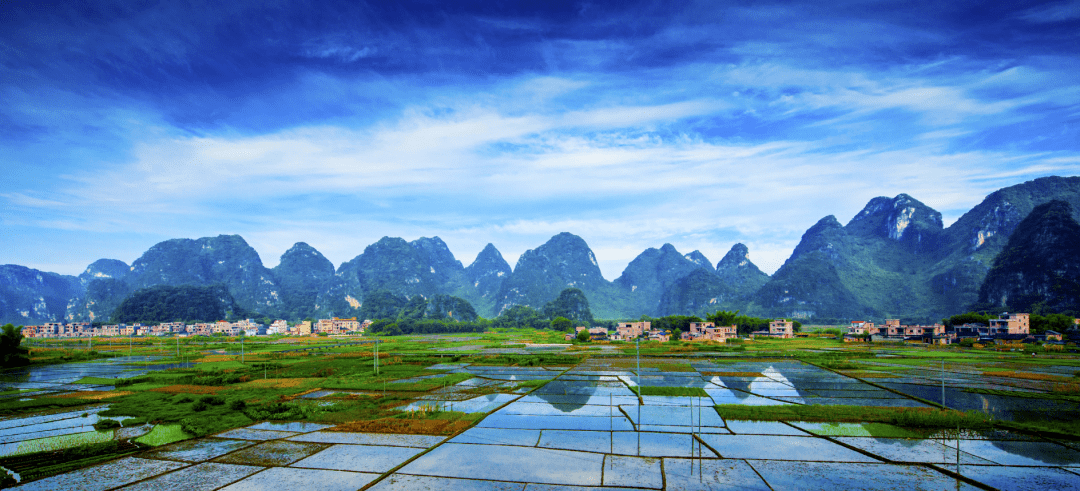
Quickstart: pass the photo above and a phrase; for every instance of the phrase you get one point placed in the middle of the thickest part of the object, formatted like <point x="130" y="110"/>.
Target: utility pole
<point x="641" y="397"/>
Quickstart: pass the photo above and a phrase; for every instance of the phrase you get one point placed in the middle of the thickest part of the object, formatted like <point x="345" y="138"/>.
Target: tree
<point x="521" y="316"/>
<point x="11" y="353"/>
<point x="967" y="318"/>
<point x="382" y="304"/>
<point x="572" y="304"/>
<point x="561" y="324"/>
<point x="583" y="335"/>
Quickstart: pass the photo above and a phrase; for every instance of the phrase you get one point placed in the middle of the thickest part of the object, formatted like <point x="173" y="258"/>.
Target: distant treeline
<point x="390" y="327"/>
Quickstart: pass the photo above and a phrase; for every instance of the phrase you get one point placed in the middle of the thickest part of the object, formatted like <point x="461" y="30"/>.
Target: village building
<point x="279" y="326"/>
<point x="1011" y="324"/>
<point x="859" y="328"/>
<point x="707" y="331"/>
<point x="778" y="328"/>
<point x="658" y="335"/>
<point x="630" y="330"/>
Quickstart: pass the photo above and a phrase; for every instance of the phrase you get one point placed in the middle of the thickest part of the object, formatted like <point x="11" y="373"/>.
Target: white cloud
<point x="1053" y="12"/>
<point x="626" y="173"/>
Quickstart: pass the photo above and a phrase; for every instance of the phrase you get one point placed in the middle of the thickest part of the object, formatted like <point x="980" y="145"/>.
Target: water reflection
<point x="998" y="407"/>
<point x="59" y="376"/>
<point x="565" y="396"/>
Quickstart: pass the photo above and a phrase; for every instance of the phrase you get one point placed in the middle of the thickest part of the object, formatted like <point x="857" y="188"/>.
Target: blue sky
<point x="630" y="124"/>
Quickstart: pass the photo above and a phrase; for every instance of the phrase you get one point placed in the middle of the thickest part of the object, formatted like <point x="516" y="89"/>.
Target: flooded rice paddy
<point x="57" y="430"/>
<point x="587" y="429"/>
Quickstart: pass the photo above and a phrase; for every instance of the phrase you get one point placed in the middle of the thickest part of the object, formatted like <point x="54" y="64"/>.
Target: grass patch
<point x="877" y="430"/>
<point x="1057" y="429"/>
<point x="187" y="389"/>
<point x="868" y="374"/>
<point x="48" y="356"/>
<point x="532" y="384"/>
<point x="11" y="406"/>
<point x="670" y="391"/>
<point x="906" y="417"/>
<point x="1023" y="394"/>
<point x="162" y="435"/>
<point x="197" y="416"/>
<point x="1029" y="376"/>
<point x="415" y="423"/>
<point x="96" y="381"/>
<point x="418" y="386"/>
<point x="38" y="465"/>
<point x="732" y="374"/>
<point x="220" y="365"/>
<point x="663" y="367"/>
<point x="511" y="360"/>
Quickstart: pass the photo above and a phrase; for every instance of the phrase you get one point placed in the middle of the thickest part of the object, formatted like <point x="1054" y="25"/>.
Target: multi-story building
<point x="279" y="326"/>
<point x="342" y="326"/>
<point x="631" y="330"/>
<point x="782" y="328"/>
<point x="707" y="331"/>
<point x="859" y="328"/>
<point x="658" y="335"/>
<point x="1011" y="324"/>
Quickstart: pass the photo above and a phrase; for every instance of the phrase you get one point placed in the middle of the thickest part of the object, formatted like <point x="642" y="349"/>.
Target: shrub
<point x="212" y="400"/>
<point x="199" y="406"/>
<point x="106" y="424"/>
<point x="237" y="405"/>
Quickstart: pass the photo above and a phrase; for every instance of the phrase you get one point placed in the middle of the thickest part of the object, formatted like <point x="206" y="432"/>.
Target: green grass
<point x="12" y="406"/>
<point x="419" y="386"/>
<point x="532" y="384"/>
<point x="1025" y="394"/>
<point x="1069" y="430"/>
<point x="37" y="465"/>
<point x="220" y="365"/>
<point x="96" y="381"/>
<point x="163" y="434"/>
<point x="538" y="360"/>
<point x="877" y="430"/>
<point x="61" y="442"/>
<point x="158" y="407"/>
<point x="671" y="391"/>
<point x="899" y="416"/>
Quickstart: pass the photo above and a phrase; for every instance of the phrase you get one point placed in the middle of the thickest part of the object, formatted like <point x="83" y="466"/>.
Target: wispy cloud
<point x="700" y="125"/>
<point x="1053" y="12"/>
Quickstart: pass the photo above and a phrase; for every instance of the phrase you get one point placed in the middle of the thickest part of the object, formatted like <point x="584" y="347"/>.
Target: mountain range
<point x="894" y="259"/>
